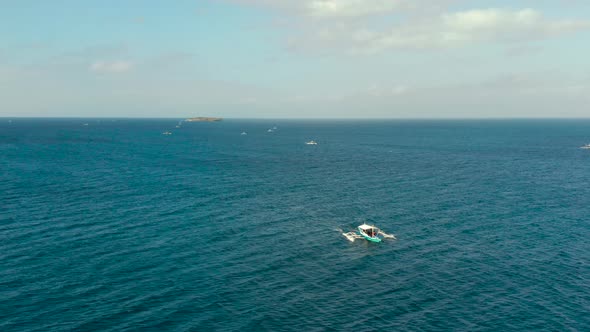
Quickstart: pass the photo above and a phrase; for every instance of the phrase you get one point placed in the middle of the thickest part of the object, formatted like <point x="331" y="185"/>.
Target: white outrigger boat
<point x="369" y="233"/>
<point x="587" y="146"/>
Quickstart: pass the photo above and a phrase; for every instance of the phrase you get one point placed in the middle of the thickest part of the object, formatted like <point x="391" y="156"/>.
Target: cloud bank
<point x="462" y="28"/>
<point x="349" y="25"/>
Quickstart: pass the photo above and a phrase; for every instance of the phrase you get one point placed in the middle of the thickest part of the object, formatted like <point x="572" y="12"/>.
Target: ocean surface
<point x="109" y="225"/>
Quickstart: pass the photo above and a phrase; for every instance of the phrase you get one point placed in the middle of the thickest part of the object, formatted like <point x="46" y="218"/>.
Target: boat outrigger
<point x="369" y="233"/>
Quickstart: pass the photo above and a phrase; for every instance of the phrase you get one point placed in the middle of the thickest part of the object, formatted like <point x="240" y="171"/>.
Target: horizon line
<point x="299" y="118"/>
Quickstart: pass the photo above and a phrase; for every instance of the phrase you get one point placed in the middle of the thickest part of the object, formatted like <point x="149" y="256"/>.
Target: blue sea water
<point x="112" y="226"/>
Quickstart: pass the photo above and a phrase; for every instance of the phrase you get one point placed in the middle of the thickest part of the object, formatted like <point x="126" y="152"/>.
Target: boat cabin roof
<point x="366" y="227"/>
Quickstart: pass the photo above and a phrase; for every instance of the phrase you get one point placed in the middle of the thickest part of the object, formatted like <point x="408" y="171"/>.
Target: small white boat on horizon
<point x="587" y="146"/>
<point x="166" y="133"/>
<point x="312" y="142"/>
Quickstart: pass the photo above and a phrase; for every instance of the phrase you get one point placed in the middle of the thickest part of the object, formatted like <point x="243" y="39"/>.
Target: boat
<point x="244" y="133"/>
<point x="368" y="232"/>
<point x="270" y="130"/>
<point x="312" y="142"/>
<point x="587" y="146"/>
<point x="166" y="133"/>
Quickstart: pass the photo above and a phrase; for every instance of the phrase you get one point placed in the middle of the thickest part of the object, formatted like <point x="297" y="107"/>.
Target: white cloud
<point x="111" y="66"/>
<point x="345" y="9"/>
<point x="350" y="8"/>
<point x="503" y="24"/>
<point x="349" y="25"/>
<point x="442" y="31"/>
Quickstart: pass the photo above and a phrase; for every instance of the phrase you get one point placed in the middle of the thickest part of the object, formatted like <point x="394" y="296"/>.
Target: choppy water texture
<point x="113" y="226"/>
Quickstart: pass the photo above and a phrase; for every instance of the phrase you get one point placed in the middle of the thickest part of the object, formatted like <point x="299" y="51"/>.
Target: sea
<point x="111" y="225"/>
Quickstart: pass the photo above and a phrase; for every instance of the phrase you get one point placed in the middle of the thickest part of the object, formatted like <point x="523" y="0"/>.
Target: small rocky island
<point x="203" y="119"/>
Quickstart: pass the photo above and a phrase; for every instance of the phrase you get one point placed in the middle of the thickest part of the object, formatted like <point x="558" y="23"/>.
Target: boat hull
<point x="368" y="238"/>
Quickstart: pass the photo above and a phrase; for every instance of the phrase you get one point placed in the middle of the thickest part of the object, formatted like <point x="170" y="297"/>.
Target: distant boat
<point x="244" y="133"/>
<point x="270" y="130"/>
<point x="587" y="146"/>
<point x="166" y="133"/>
<point x="312" y="142"/>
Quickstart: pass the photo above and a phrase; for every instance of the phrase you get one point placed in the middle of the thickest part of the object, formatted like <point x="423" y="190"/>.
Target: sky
<point x="295" y="58"/>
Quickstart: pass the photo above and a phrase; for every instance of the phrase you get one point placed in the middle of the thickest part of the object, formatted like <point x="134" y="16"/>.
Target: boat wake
<point x="351" y="236"/>
<point x="387" y="236"/>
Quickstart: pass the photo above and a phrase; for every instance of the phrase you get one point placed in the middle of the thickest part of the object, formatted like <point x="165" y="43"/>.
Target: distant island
<point x="203" y="119"/>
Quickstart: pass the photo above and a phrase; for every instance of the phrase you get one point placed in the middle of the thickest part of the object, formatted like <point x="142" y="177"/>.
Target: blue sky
<point x="295" y="58"/>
